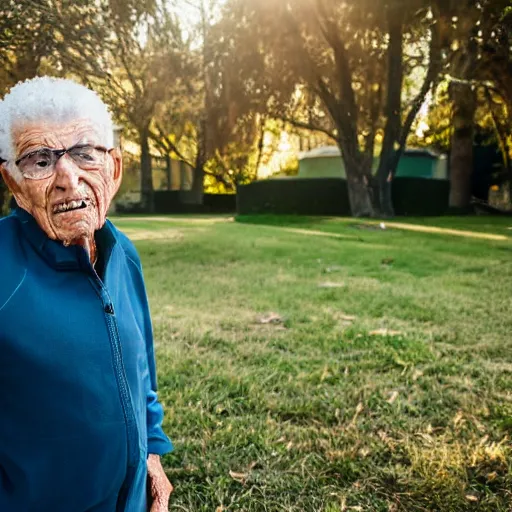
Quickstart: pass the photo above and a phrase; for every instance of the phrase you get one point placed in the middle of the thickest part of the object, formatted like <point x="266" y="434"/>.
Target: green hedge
<point x="301" y="196"/>
<point x="171" y="202"/>
<point x="420" y="196"/>
<point x="329" y="196"/>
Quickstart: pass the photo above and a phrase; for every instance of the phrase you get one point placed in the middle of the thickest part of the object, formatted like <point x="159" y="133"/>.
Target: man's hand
<point x="159" y="487"/>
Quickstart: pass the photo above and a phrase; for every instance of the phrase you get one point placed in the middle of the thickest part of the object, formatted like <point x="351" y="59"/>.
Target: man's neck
<point x="89" y="244"/>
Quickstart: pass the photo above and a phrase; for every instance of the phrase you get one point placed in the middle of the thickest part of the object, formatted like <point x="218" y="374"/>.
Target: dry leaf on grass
<point x="393" y="397"/>
<point x="383" y="436"/>
<point x="417" y="374"/>
<point x="426" y="437"/>
<point x="271" y="318"/>
<point x="239" y="477"/>
<point x="334" y="268"/>
<point x="359" y="410"/>
<point x="364" y="452"/>
<point x="343" y="318"/>
<point x="492" y="476"/>
<point x="458" y="418"/>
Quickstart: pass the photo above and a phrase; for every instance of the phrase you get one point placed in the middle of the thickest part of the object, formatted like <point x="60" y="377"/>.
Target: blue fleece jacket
<point x="78" y="406"/>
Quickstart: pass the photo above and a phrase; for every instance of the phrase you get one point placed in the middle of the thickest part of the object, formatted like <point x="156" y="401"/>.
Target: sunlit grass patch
<point x="452" y="474"/>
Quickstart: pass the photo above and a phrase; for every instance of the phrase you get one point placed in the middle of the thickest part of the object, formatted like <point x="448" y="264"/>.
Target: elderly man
<point x="80" y="422"/>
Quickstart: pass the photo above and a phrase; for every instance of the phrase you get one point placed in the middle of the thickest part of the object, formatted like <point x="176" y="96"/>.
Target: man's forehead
<point x="44" y="132"/>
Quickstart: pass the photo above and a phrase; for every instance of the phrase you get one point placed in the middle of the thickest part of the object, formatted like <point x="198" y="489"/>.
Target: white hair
<point x="51" y="100"/>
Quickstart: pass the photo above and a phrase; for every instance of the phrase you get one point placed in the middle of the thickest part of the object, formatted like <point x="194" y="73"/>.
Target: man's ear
<point x="117" y="159"/>
<point x="11" y="183"/>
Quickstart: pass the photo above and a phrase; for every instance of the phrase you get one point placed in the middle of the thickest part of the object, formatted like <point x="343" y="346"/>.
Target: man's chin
<point x="70" y="228"/>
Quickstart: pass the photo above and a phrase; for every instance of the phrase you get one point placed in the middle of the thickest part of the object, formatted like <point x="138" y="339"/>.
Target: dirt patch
<point x="364" y="283"/>
<point x="185" y="220"/>
<point x="331" y="284"/>
<point x="144" y="234"/>
<point x="446" y="231"/>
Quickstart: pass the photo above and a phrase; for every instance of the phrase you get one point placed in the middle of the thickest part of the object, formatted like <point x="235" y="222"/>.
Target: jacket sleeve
<point x="158" y="442"/>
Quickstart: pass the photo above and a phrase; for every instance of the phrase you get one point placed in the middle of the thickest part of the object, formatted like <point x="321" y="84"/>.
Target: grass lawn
<point x="330" y="365"/>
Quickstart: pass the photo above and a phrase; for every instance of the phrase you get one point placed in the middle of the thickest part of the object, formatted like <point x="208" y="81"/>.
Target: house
<point x="326" y="162"/>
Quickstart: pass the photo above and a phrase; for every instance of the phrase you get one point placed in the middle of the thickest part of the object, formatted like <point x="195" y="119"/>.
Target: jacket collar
<point x="58" y="256"/>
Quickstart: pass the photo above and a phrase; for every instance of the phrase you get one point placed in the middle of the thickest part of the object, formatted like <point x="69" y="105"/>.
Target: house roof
<point x="334" y="151"/>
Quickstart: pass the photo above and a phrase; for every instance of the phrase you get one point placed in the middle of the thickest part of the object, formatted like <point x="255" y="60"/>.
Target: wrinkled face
<point x="72" y="203"/>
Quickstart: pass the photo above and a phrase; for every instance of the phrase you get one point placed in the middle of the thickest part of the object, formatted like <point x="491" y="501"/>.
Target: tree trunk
<point x="359" y="186"/>
<point x="509" y="186"/>
<point x="197" y="192"/>
<point x="146" y="173"/>
<point x="461" y="156"/>
<point x="385" y="195"/>
<point x="393" y="128"/>
<point x="168" y="171"/>
<point x="360" y="202"/>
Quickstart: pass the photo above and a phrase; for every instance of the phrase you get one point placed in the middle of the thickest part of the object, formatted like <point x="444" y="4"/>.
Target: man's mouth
<point x="69" y="206"/>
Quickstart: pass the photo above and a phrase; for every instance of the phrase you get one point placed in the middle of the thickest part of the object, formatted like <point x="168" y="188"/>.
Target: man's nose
<point x="66" y="174"/>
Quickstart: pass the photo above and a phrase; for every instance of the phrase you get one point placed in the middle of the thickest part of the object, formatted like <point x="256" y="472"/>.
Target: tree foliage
<point x="339" y="68"/>
<point x="202" y="91"/>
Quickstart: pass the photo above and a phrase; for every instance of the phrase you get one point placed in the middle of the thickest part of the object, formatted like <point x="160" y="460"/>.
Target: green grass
<point x="386" y="384"/>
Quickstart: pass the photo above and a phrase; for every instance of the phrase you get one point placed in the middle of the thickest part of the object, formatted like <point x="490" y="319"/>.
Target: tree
<point x="213" y="128"/>
<point x="475" y="41"/>
<point x="50" y="35"/>
<point x="498" y="88"/>
<point x="345" y="64"/>
<point x="143" y="64"/>
<point x="236" y="128"/>
<point x="34" y="32"/>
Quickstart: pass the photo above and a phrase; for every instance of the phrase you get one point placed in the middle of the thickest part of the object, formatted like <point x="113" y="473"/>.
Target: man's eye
<point x="82" y="155"/>
<point x="42" y="163"/>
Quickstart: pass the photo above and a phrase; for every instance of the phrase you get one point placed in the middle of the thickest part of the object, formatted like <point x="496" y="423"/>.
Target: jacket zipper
<point x="120" y="373"/>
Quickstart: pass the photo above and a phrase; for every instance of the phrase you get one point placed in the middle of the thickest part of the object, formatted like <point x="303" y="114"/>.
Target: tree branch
<point x="161" y="135"/>
<point x="329" y="100"/>
<point x="501" y="133"/>
<point x="308" y="126"/>
<point x="127" y="66"/>
<point x="331" y="34"/>
<point x="261" y="139"/>
<point x="435" y="64"/>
